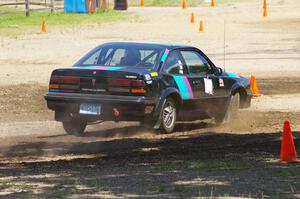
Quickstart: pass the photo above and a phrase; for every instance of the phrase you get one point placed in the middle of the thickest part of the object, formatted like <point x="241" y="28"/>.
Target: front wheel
<point x="74" y="126"/>
<point x="168" y="116"/>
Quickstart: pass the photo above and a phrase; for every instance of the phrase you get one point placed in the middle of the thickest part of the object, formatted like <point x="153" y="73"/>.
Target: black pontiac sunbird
<point x="156" y="84"/>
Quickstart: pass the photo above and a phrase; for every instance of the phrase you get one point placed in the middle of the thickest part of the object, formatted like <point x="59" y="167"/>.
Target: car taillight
<point x="126" y="83"/>
<point x="127" y="86"/>
<point x="64" y="83"/>
<point x="64" y="80"/>
<point x="138" y="91"/>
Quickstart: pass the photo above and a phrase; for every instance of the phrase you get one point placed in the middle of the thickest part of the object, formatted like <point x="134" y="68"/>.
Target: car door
<point x="175" y="75"/>
<point x="205" y="83"/>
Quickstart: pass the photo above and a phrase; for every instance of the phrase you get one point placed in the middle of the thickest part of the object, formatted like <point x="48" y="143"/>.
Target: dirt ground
<point x="123" y="160"/>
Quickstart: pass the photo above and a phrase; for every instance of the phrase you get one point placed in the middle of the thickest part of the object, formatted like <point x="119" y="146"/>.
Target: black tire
<point x="74" y="127"/>
<point x="232" y="111"/>
<point x="168" y="116"/>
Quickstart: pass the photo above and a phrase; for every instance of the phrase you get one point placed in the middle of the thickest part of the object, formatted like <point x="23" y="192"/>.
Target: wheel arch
<point x="177" y="98"/>
<point x="169" y="92"/>
<point x="243" y="94"/>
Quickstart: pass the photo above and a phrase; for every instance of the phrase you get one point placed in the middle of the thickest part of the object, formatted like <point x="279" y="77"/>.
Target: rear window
<point x="123" y="55"/>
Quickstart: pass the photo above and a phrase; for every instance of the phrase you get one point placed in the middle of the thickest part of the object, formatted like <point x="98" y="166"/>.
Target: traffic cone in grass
<point x="288" y="150"/>
<point x="253" y="86"/>
<point x="212" y="3"/>
<point x="192" y="18"/>
<point x="183" y="4"/>
<point x="201" y="28"/>
<point x="44" y="27"/>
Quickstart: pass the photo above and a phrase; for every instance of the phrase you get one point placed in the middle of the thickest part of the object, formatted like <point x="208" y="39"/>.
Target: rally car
<point x="156" y="84"/>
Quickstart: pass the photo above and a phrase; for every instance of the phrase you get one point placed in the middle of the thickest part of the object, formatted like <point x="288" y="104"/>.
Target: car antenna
<point x="224" y="44"/>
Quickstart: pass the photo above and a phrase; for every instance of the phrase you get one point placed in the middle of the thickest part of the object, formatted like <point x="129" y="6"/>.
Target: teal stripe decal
<point x="114" y="68"/>
<point x="165" y="55"/>
<point x="232" y="75"/>
<point x="182" y="87"/>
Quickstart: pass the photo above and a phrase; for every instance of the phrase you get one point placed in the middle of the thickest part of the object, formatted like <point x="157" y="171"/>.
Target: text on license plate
<point x="90" y="109"/>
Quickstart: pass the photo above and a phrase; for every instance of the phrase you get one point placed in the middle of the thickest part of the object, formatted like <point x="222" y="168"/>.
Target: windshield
<point x="129" y="55"/>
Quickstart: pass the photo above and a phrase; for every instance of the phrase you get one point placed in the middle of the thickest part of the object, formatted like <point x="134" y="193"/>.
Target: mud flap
<point x="158" y="122"/>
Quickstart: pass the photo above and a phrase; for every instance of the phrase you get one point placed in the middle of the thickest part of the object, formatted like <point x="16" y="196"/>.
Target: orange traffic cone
<point x="265" y="8"/>
<point x="142" y="3"/>
<point x="253" y="86"/>
<point x="192" y="18"/>
<point x="201" y="29"/>
<point x="288" y="150"/>
<point x="44" y="26"/>
<point x="183" y="4"/>
<point x="212" y="3"/>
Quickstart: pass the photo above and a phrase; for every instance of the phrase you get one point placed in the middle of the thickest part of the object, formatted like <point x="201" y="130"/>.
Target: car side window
<point x="93" y="59"/>
<point x="117" y="56"/>
<point x="173" y="65"/>
<point x="196" y="63"/>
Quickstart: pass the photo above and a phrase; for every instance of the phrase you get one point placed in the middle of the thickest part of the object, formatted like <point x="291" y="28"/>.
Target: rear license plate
<point x="90" y="109"/>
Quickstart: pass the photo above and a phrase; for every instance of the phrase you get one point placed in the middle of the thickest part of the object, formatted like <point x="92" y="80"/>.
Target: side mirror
<point x="218" y="71"/>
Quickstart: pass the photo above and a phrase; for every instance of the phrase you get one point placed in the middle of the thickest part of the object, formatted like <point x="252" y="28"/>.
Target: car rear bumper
<point x="130" y="107"/>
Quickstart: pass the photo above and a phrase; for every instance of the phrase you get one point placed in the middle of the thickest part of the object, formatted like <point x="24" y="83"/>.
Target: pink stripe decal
<point x="191" y="95"/>
<point x="100" y="67"/>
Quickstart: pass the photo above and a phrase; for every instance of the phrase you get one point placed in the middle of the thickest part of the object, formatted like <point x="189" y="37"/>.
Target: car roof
<point x="163" y="45"/>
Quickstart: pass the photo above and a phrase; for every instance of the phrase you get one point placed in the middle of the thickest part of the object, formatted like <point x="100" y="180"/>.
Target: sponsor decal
<point x="180" y="67"/>
<point x="165" y="55"/>
<point x="184" y="87"/>
<point x="209" y="89"/>
<point x="148" y="79"/>
<point x="221" y="82"/>
<point x="154" y="74"/>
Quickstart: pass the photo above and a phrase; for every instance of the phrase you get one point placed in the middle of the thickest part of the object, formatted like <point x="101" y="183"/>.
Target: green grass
<point x="97" y="184"/>
<point x="289" y="172"/>
<point x="16" y="24"/>
<point x="167" y="165"/>
<point x="180" y="188"/>
<point x="6" y="185"/>
<point x="162" y="188"/>
<point x="217" y="165"/>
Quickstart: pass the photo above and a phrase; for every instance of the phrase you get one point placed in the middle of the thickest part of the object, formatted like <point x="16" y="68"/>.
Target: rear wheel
<point x="74" y="126"/>
<point x="232" y="111"/>
<point x="168" y="116"/>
